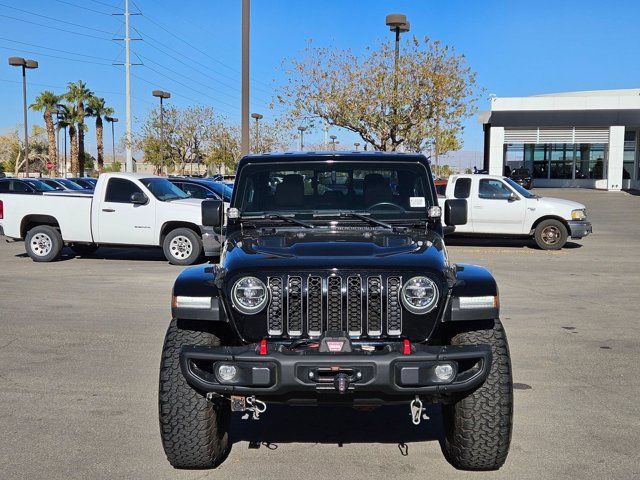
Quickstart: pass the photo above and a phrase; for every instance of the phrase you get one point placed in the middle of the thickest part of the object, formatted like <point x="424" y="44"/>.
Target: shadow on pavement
<point x="460" y="241"/>
<point x="337" y="425"/>
<point x="114" y="253"/>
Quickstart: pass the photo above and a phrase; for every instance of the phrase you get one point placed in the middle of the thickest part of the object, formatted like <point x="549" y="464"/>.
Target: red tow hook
<point x="263" y="347"/>
<point x="406" y="347"/>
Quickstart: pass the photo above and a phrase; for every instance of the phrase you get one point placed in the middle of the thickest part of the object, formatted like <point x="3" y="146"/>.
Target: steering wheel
<point x="386" y="204"/>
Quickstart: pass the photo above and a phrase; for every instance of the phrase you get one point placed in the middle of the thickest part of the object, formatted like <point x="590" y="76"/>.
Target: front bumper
<point x="580" y="228"/>
<point x="282" y="375"/>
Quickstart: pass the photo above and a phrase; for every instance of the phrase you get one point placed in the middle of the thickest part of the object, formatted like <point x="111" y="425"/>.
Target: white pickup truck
<point x="125" y="209"/>
<point x="499" y="206"/>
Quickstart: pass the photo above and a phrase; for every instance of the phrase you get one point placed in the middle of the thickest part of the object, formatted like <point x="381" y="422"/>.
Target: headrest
<point x="290" y="193"/>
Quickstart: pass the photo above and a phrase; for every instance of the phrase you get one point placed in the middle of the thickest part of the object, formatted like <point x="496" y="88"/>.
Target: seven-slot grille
<point x="360" y="305"/>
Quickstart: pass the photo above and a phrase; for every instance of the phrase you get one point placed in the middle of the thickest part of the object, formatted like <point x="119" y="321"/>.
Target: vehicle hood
<point x="187" y="201"/>
<point x="333" y="250"/>
<point x="559" y="204"/>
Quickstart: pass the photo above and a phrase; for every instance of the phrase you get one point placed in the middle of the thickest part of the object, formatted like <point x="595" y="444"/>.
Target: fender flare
<point x="198" y="282"/>
<point x="473" y="281"/>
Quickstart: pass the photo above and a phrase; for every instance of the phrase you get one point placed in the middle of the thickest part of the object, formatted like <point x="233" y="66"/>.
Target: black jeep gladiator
<point x="334" y="287"/>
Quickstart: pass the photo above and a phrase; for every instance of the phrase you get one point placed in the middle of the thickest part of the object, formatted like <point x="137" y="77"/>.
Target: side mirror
<point x="211" y="213"/>
<point x="513" y="197"/>
<point x="139" y="198"/>
<point x="455" y="212"/>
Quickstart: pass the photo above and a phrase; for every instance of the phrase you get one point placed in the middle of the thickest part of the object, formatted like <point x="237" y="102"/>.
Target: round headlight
<point x="249" y="295"/>
<point x="420" y="295"/>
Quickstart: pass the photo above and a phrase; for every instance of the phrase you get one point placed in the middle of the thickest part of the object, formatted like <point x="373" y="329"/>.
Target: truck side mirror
<point x="455" y="212"/>
<point x="513" y="197"/>
<point x="139" y="198"/>
<point x="211" y="213"/>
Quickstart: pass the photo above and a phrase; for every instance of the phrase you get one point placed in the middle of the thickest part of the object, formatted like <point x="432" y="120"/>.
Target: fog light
<point x="227" y="373"/>
<point x="444" y="372"/>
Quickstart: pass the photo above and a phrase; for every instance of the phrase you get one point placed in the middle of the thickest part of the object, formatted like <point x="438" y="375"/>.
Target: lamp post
<point x="397" y="22"/>
<point x="356" y="145"/>
<point x="161" y="95"/>
<point x="333" y="141"/>
<point x="244" y="108"/>
<point x="112" y="120"/>
<point x="31" y="64"/>
<point x="257" y="117"/>
<point x="301" y="130"/>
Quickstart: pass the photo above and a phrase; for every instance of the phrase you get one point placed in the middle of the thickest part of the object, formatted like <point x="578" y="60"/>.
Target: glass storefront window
<point x="561" y="160"/>
<point x="629" y="154"/>
<point x="540" y="161"/>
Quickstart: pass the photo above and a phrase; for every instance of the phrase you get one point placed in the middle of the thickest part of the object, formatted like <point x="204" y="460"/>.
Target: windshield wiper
<point x="277" y="216"/>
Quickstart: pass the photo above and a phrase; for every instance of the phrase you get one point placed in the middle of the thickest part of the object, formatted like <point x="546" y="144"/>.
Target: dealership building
<point x="577" y="139"/>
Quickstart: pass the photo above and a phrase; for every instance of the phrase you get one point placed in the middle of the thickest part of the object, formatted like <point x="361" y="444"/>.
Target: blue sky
<point x="192" y="48"/>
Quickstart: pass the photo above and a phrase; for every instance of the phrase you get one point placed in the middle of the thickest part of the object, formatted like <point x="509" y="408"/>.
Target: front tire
<point x="194" y="430"/>
<point x="478" y="426"/>
<point x="551" y="234"/>
<point x="182" y="247"/>
<point x="43" y="243"/>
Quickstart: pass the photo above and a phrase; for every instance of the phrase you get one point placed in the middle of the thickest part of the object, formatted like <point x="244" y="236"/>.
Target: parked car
<point x="522" y="176"/>
<point x="85" y="182"/>
<point x="202" y="188"/>
<point x="499" y="206"/>
<point x="64" y="185"/>
<point x="126" y="209"/>
<point x="335" y="298"/>
<point x="24" y="185"/>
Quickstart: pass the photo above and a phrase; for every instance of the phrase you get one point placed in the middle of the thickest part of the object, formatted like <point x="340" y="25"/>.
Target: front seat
<point x="290" y="193"/>
<point x="376" y="189"/>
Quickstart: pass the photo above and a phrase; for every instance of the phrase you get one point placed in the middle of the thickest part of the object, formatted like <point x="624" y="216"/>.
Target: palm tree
<point x="70" y="116"/>
<point x="79" y="93"/>
<point x="47" y="103"/>
<point x="96" y="108"/>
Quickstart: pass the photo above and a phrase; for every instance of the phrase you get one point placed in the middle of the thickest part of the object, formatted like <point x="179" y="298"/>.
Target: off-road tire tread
<point x="478" y="426"/>
<point x="194" y="430"/>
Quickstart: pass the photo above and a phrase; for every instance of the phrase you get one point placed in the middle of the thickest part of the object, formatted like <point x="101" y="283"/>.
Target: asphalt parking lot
<point x="80" y="344"/>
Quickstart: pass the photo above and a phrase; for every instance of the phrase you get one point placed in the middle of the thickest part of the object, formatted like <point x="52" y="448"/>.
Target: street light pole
<point x="257" y="117"/>
<point x="161" y="95"/>
<point x="333" y="141"/>
<point x="112" y="120"/>
<point x="24" y="63"/>
<point x="246" y="20"/>
<point x="356" y="145"/>
<point x="301" y="130"/>
<point x="397" y="22"/>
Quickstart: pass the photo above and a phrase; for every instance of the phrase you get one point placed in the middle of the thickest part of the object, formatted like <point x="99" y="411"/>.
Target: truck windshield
<point x="521" y="190"/>
<point x="163" y="189"/>
<point x="386" y="190"/>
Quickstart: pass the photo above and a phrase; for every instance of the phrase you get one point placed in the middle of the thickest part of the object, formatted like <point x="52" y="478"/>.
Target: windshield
<point x="386" y="190"/>
<point x="163" y="189"/>
<point x="69" y="184"/>
<point x="39" y="186"/>
<point x="521" y="190"/>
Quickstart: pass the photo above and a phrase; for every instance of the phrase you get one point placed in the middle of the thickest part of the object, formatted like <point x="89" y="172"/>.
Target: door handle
<point x="108" y="210"/>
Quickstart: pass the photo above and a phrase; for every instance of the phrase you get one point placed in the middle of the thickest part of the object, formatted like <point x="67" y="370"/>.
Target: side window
<point x="120" y="190"/>
<point x="18" y="186"/>
<point x="4" y="187"/>
<point x="463" y="188"/>
<point x="194" y="191"/>
<point x="493" y="190"/>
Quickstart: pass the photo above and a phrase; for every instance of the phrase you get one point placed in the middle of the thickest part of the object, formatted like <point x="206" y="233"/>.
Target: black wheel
<point x="182" y="246"/>
<point x="84" y="249"/>
<point x="551" y="234"/>
<point x="478" y="426"/>
<point x="43" y="243"/>
<point x="194" y="430"/>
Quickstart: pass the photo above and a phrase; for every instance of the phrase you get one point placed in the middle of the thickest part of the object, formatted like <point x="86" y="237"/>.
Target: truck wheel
<point x="43" y="243"/>
<point x="182" y="246"/>
<point x="194" y="430"/>
<point x="84" y="249"/>
<point x="551" y="235"/>
<point x="478" y="426"/>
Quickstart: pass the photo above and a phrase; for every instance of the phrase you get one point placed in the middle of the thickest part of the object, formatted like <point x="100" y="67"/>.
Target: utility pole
<point x="326" y="136"/>
<point x="246" y="17"/>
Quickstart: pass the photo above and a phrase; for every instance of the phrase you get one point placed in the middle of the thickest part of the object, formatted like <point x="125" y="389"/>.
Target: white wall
<point x="616" y="157"/>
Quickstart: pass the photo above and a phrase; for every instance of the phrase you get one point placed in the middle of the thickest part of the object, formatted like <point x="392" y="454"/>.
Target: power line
<point x="84" y="8"/>
<point x="55" y="56"/>
<point x="55" y="49"/>
<point x="55" y="19"/>
<point x="56" y="28"/>
<point x="110" y="5"/>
